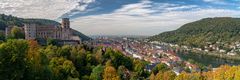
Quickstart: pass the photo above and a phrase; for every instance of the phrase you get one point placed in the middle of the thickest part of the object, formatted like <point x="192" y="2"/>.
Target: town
<point x="146" y="51"/>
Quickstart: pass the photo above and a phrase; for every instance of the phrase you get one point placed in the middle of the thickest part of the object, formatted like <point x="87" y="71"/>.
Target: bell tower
<point x="65" y="23"/>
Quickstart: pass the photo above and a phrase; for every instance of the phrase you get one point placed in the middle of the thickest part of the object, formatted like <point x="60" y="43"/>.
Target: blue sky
<point x="122" y="17"/>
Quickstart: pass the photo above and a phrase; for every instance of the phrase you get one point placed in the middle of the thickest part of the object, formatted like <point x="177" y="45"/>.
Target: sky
<point x="122" y="17"/>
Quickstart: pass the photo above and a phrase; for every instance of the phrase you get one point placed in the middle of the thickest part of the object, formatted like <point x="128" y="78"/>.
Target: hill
<point x="223" y="30"/>
<point x="8" y="20"/>
<point x="84" y="37"/>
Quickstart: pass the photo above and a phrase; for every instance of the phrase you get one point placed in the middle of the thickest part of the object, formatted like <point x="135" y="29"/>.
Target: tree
<point x="110" y="73"/>
<point x="99" y="56"/>
<point x="169" y="75"/>
<point x="64" y="51"/>
<point x="237" y="73"/>
<point x="12" y="59"/>
<point x="16" y="33"/>
<point x="159" y="76"/>
<point x="2" y="37"/>
<point x="139" y="68"/>
<point x="52" y="42"/>
<point x="63" y="68"/>
<point x="160" y="67"/>
<point x="123" y="72"/>
<point x="152" y="76"/>
<point x="37" y="63"/>
<point x="96" y="73"/>
<point x="134" y="76"/>
<point x="183" y="76"/>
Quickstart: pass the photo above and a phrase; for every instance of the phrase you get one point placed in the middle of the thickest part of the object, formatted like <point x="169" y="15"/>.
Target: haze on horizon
<point x="122" y="17"/>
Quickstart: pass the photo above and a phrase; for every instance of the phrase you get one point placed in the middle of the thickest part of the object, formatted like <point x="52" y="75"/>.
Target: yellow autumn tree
<point x="110" y="73"/>
<point x="159" y="76"/>
<point x="219" y="74"/>
<point x="230" y="73"/>
<point x="152" y="76"/>
<point x="183" y="76"/>
<point x="169" y="75"/>
<point x="237" y="73"/>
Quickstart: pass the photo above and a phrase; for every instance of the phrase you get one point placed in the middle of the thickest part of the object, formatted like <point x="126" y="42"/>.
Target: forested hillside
<point x="8" y="20"/>
<point x="199" y="33"/>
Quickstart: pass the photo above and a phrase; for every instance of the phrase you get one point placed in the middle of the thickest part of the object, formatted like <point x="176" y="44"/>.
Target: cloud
<point x="221" y="2"/>
<point x="50" y="9"/>
<point x="146" y="19"/>
<point x="213" y="0"/>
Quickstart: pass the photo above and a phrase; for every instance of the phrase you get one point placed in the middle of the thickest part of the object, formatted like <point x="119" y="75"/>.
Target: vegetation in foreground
<point x="21" y="59"/>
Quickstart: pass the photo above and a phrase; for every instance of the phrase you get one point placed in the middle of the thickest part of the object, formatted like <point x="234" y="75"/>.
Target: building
<point x="60" y="32"/>
<point x="33" y="31"/>
<point x="66" y="30"/>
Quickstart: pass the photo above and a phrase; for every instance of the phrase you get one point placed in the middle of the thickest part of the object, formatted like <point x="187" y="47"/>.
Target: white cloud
<point x="148" y="21"/>
<point x="50" y="9"/>
<point x="143" y="18"/>
<point x="220" y="2"/>
<point x="212" y="0"/>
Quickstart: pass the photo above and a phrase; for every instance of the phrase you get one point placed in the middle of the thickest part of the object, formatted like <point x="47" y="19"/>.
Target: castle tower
<point x="65" y="23"/>
<point x="66" y="30"/>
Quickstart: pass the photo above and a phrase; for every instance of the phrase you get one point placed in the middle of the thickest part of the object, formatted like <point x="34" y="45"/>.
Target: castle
<point x="61" y="32"/>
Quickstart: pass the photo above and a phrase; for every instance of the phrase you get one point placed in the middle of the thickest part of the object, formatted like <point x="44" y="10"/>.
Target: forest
<point x="201" y="33"/>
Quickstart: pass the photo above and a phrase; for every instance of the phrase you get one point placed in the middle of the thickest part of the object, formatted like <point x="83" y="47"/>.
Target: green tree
<point x="13" y="59"/>
<point x="139" y="69"/>
<point x="160" y="67"/>
<point x="97" y="72"/>
<point x="37" y="63"/>
<point x="16" y="33"/>
<point x="52" y="42"/>
<point x="63" y="68"/>
<point x="123" y="72"/>
<point x="2" y="37"/>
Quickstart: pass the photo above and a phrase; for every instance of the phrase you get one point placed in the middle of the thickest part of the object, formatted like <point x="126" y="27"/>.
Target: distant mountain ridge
<point x="8" y="20"/>
<point x="199" y="33"/>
